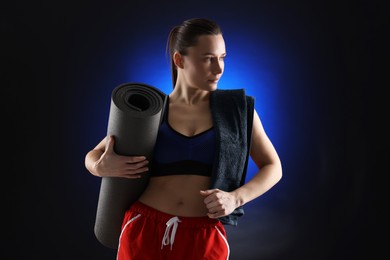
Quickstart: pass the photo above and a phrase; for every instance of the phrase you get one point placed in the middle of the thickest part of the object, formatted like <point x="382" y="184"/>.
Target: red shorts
<point x="151" y="234"/>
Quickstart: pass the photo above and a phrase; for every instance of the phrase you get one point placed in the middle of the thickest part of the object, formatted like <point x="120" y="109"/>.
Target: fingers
<point x="214" y="215"/>
<point x="211" y="201"/>
<point x="217" y="203"/>
<point x="134" y="166"/>
<point x="208" y="192"/>
<point x="111" y="164"/>
<point x="135" y="163"/>
<point x="128" y="159"/>
<point x="135" y="159"/>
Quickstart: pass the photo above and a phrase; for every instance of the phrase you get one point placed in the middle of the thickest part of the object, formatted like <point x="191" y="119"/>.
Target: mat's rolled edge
<point x="117" y="194"/>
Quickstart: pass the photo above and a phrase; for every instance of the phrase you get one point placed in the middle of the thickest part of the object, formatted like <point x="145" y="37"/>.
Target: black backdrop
<point x="326" y="207"/>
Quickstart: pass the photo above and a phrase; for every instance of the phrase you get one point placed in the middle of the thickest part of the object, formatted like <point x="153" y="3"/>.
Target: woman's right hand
<point x="111" y="164"/>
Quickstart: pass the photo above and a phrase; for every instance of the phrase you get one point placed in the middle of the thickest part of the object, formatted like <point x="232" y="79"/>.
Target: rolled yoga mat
<point x="135" y="113"/>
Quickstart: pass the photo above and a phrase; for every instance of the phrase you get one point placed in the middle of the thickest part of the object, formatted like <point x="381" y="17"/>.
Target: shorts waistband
<point x="163" y="217"/>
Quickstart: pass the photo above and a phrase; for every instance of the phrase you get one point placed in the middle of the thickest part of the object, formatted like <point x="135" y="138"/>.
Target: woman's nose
<point x="217" y="67"/>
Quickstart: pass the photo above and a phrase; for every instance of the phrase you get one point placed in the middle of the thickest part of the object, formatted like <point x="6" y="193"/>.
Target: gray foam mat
<point x="135" y="113"/>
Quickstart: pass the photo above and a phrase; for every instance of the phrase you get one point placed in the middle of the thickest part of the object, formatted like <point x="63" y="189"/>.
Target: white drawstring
<point x="173" y="222"/>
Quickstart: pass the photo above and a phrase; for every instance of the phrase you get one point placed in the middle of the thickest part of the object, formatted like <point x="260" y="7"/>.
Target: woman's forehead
<point x="209" y="44"/>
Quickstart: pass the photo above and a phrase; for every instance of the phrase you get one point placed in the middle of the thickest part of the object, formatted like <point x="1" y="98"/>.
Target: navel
<point x="180" y="203"/>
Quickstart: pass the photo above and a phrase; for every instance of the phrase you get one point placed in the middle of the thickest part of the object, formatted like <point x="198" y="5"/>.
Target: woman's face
<point x="204" y="64"/>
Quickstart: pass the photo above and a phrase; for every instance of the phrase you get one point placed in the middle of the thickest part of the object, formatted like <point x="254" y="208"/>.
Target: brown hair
<point x="186" y="35"/>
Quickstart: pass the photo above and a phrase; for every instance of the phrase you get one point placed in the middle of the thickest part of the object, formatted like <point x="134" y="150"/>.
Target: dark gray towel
<point x="232" y="112"/>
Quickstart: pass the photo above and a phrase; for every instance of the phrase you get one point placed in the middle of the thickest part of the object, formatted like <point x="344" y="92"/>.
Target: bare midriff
<point x="177" y="194"/>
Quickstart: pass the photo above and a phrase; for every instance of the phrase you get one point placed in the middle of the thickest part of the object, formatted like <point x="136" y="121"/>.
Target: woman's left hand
<point x="219" y="203"/>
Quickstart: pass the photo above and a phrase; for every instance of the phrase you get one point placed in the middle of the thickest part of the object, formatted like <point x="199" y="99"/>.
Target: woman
<point x="182" y="212"/>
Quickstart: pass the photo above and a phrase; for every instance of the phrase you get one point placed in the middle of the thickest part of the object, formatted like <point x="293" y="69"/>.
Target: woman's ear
<point x="178" y="60"/>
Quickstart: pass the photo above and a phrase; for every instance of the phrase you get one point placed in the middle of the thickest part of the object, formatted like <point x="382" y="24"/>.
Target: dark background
<point x="60" y="61"/>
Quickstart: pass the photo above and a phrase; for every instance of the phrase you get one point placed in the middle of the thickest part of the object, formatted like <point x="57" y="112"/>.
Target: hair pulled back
<point x="186" y="35"/>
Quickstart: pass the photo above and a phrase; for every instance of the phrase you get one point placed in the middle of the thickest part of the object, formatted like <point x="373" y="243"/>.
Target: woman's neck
<point x="188" y="95"/>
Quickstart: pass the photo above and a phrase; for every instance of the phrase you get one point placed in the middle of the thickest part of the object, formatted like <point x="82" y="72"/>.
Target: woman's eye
<point x="211" y="59"/>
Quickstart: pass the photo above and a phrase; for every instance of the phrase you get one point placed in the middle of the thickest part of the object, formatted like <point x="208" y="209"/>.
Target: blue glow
<point x="247" y="66"/>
